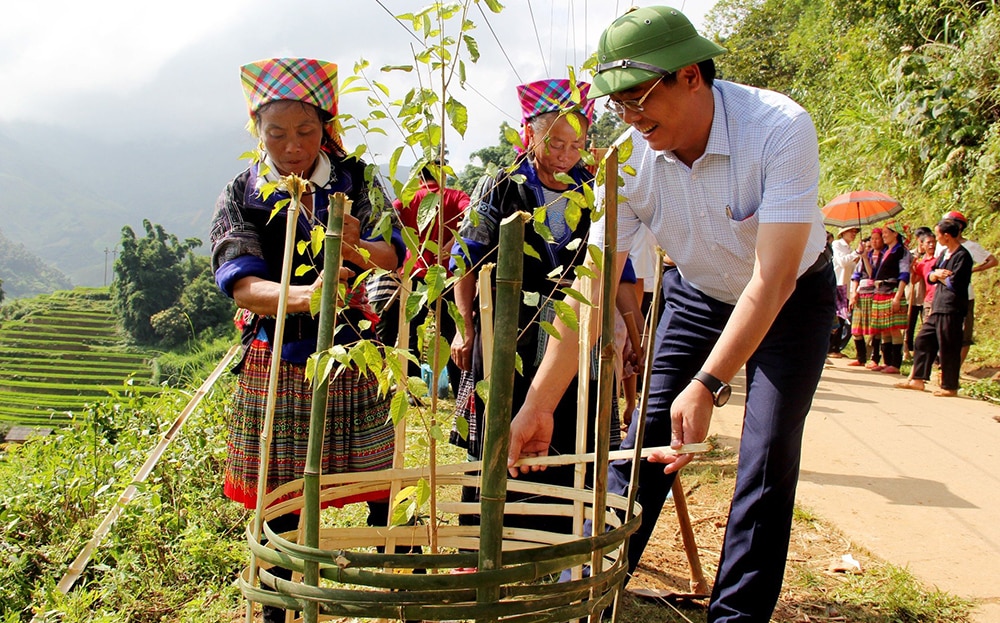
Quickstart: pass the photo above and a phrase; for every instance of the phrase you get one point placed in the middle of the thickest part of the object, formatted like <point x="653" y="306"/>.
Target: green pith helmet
<point x="646" y="43"/>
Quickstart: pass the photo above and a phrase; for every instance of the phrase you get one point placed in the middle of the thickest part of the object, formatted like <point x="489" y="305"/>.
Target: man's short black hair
<point x="950" y="226"/>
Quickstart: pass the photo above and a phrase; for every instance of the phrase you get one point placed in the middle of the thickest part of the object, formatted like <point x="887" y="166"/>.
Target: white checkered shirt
<point x="761" y="165"/>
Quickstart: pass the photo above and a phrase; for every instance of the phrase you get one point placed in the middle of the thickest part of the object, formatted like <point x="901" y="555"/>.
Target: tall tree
<point x="149" y="277"/>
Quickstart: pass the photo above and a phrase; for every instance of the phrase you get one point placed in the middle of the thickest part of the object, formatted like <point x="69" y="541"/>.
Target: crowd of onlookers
<point x="903" y="294"/>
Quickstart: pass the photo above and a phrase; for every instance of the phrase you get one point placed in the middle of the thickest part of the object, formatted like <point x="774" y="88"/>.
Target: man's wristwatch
<point x="720" y="390"/>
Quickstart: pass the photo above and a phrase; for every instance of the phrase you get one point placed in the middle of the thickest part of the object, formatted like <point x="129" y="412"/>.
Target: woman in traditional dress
<point x="292" y="104"/>
<point x="891" y="275"/>
<point x="556" y="118"/>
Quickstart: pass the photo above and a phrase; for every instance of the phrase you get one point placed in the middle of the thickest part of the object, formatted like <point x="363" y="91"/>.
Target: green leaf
<point x="531" y="299"/>
<point x="597" y="256"/>
<point x="435" y="279"/>
<point x="494" y="5"/>
<point x="566" y="313"/>
<point x="398" y="407"/>
<point x="550" y="329"/>
<point x="518" y="364"/>
<point x="458" y="114"/>
<point x="317" y="236"/>
<point x="438" y="434"/>
<point x="388" y="68"/>
<point x="565" y="178"/>
<point x="530" y="251"/>
<point x="427" y="210"/>
<point x="483" y="390"/>
<point x="514" y="139"/>
<point x="625" y="149"/>
<point x="462" y="426"/>
<point x="472" y="47"/>
<point x="584" y="272"/>
<point x="575" y="294"/>
<point x="629" y="169"/>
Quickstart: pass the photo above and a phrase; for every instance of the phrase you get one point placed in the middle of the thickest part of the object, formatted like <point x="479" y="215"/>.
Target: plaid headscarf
<point x="553" y="95"/>
<point x="302" y="79"/>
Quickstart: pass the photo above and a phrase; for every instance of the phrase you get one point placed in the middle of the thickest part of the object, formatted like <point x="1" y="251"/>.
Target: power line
<point x="538" y="39"/>
<point x="485" y="19"/>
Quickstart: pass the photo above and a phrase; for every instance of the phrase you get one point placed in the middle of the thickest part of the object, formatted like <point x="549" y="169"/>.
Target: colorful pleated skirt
<point x="884" y="319"/>
<point x="359" y="435"/>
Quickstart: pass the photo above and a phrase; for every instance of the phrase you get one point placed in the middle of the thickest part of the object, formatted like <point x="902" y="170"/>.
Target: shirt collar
<point x="319" y="179"/>
<point x="718" y="139"/>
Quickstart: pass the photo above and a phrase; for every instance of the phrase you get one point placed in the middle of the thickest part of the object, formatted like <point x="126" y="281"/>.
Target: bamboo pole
<point x="291" y="222"/>
<point x="496" y="443"/>
<point x="605" y="394"/>
<point x="309" y="524"/>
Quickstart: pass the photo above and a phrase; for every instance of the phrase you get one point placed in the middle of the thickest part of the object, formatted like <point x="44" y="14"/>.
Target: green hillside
<point x="61" y="351"/>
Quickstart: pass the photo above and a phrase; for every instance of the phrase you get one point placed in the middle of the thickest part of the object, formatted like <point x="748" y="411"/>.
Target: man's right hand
<point x="530" y="435"/>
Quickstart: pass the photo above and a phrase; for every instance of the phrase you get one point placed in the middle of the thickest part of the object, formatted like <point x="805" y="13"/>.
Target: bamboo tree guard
<point x="345" y="578"/>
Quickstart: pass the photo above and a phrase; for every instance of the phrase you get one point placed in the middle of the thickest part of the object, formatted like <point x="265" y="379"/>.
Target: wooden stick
<point x="291" y="222"/>
<point x="79" y="564"/>
<point x="698" y="584"/>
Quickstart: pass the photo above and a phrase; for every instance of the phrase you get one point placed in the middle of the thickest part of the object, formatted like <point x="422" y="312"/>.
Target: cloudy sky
<point x="121" y="70"/>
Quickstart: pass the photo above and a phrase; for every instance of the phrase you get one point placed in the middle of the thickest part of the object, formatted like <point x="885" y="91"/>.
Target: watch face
<point x="723" y="396"/>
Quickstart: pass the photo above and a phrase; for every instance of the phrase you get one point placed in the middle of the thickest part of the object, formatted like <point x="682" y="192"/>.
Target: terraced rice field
<point x="66" y="353"/>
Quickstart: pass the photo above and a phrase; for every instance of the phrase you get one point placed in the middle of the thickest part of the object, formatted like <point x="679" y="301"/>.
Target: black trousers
<point x="940" y="335"/>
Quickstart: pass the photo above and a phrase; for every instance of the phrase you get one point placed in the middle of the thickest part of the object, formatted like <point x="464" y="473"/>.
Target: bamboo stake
<point x="79" y="564"/>
<point x="291" y="222"/>
<point x="510" y="269"/>
<point x="309" y="520"/>
<point x="602" y="427"/>
<point x="486" y="317"/>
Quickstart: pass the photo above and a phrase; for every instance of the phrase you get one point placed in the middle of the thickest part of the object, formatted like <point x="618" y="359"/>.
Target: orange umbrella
<point x="860" y="207"/>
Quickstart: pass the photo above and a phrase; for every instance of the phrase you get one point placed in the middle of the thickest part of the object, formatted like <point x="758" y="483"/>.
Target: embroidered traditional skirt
<point x="861" y="320"/>
<point x="884" y="319"/>
<point x="358" y="437"/>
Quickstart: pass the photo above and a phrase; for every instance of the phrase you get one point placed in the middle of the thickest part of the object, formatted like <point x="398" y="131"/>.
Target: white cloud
<point x="122" y="69"/>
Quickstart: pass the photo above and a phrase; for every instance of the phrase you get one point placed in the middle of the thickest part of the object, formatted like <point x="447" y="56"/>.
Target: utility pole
<point x="114" y="256"/>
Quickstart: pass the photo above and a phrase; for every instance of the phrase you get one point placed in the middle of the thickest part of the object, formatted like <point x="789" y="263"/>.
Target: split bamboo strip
<point x="79" y="564"/>
<point x="605" y="393"/>
<point x="291" y="222"/>
<point x="486" y="316"/>
<point x="496" y="442"/>
<point x="399" y="434"/>
<point x="582" y="401"/>
<point x="647" y="371"/>
<point x="309" y="520"/>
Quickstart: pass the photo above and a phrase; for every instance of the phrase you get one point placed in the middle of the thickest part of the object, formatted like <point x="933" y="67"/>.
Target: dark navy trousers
<point x="781" y="378"/>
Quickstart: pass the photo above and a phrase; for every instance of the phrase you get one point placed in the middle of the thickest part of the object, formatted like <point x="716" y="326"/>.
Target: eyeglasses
<point x="635" y="105"/>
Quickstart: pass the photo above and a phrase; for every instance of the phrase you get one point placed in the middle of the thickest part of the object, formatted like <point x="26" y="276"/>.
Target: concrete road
<point x="911" y="477"/>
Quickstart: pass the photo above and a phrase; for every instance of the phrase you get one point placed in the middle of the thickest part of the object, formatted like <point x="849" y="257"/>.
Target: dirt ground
<point x="888" y="476"/>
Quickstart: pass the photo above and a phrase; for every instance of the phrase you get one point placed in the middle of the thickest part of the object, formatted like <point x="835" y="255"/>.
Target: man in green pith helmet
<point x="726" y="179"/>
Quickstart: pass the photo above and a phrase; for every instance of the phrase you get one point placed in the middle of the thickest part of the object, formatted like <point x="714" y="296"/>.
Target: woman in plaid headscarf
<point x="292" y="104"/>
<point x="556" y="117"/>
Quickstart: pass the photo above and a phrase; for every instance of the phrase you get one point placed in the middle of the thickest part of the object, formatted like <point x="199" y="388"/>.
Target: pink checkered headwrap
<point x="303" y="79"/>
<point x="553" y="95"/>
